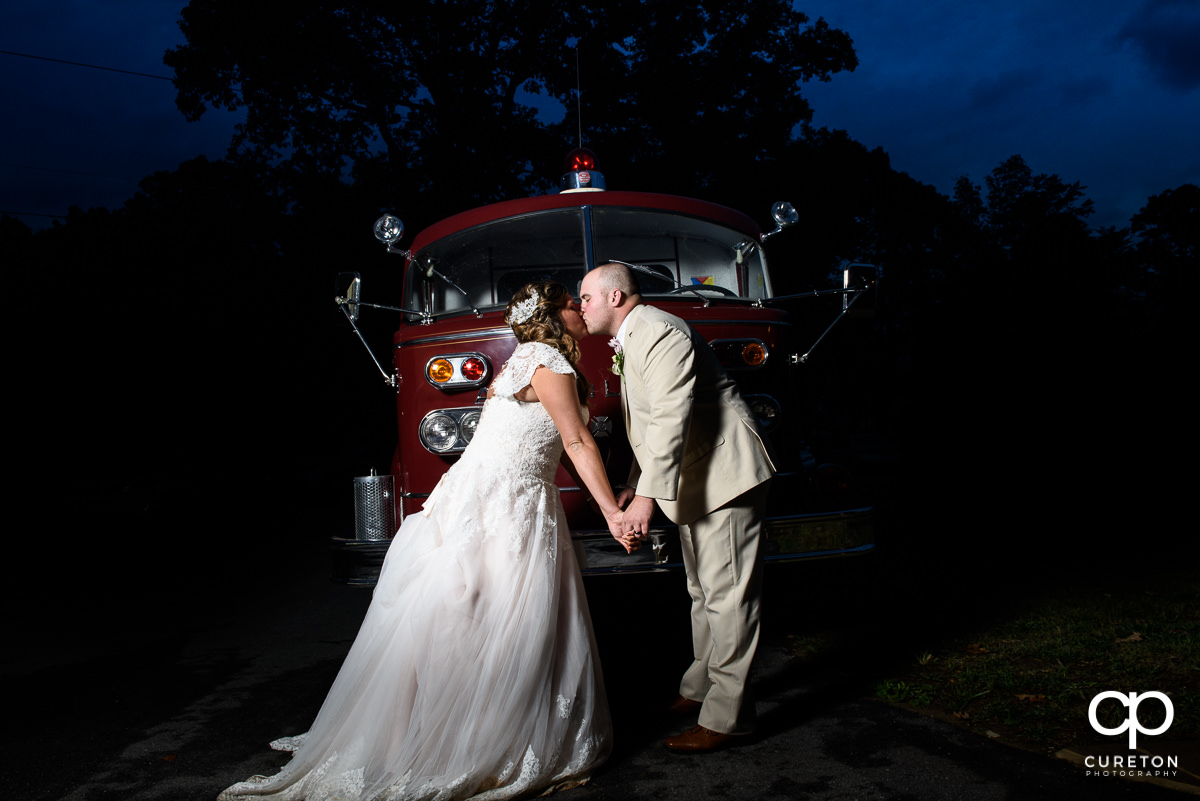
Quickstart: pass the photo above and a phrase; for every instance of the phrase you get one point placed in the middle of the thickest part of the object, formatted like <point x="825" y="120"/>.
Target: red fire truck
<point x="700" y="261"/>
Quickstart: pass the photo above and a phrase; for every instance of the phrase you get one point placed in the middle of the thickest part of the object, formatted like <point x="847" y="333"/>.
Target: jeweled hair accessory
<point x="524" y="310"/>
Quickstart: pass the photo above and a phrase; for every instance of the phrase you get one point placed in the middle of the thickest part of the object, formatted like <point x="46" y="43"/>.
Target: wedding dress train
<point x="474" y="674"/>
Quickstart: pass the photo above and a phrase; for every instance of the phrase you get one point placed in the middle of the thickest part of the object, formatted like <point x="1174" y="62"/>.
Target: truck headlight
<point x="765" y="410"/>
<point x="438" y="432"/>
<point x="467" y="426"/>
<point x="446" y="431"/>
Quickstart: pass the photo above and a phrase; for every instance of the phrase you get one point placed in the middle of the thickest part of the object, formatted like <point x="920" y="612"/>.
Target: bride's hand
<point x="617" y="527"/>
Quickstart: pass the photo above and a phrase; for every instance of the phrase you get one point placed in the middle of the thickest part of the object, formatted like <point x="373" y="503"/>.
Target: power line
<point x="33" y="214"/>
<point x="66" y="172"/>
<point x="89" y="66"/>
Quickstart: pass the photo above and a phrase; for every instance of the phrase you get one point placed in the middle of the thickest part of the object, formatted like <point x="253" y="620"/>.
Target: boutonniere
<point x="618" y="365"/>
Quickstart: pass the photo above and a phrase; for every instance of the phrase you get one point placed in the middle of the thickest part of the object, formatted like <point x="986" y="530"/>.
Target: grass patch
<point x="1029" y="680"/>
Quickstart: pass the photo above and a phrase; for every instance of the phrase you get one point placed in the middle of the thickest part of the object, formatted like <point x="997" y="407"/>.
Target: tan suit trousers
<point x="722" y="553"/>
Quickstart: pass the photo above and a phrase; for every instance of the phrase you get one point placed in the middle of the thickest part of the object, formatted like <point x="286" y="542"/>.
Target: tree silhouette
<point x="1029" y="218"/>
<point x="468" y="101"/>
<point x="1167" y="230"/>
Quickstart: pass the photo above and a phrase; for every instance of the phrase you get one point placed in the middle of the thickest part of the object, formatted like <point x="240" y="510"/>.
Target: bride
<point x="475" y="673"/>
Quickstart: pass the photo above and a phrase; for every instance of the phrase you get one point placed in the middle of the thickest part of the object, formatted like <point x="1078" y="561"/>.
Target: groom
<point x="699" y="457"/>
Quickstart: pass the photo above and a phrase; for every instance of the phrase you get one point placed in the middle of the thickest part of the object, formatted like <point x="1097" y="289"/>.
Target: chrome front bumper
<point x="791" y="538"/>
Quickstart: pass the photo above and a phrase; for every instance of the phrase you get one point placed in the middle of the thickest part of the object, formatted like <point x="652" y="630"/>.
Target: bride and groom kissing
<point x="475" y="673"/>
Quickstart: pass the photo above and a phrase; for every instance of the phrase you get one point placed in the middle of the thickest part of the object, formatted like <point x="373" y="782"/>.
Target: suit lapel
<point x="624" y="383"/>
<point x="624" y="401"/>
<point x="634" y="315"/>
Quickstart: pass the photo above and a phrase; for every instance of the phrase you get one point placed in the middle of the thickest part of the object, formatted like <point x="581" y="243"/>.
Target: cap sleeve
<point x="526" y="359"/>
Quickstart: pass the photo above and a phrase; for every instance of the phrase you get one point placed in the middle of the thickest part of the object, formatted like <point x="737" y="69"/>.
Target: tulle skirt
<point x="474" y="674"/>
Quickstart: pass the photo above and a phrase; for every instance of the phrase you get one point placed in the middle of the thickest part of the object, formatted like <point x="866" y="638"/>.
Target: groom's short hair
<point x="615" y="275"/>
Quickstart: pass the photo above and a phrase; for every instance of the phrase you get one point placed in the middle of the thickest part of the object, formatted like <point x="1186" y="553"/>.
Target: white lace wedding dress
<point x="474" y="674"/>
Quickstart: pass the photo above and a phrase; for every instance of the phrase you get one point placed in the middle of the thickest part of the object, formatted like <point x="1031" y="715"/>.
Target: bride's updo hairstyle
<point x="539" y="321"/>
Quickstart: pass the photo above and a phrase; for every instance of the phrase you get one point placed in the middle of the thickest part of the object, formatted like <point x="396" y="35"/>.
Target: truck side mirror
<point x="858" y="275"/>
<point x="349" y="289"/>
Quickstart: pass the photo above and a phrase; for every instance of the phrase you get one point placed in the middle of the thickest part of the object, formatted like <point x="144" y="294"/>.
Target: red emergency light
<point x="580" y="174"/>
<point x="580" y="159"/>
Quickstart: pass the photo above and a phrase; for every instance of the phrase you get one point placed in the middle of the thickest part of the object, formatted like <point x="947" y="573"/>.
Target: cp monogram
<point x="1131" y="723"/>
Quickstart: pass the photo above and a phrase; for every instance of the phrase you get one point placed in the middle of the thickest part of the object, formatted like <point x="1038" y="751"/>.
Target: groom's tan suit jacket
<point x="699" y="447"/>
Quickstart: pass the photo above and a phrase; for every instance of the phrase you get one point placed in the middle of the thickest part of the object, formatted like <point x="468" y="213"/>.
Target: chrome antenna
<point x="578" y="96"/>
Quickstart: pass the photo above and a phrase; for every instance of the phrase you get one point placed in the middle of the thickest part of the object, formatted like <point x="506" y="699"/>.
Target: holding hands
<point x="638" y="511"/>
<point x="619" y="528"/>
<point x="630" y="524"/>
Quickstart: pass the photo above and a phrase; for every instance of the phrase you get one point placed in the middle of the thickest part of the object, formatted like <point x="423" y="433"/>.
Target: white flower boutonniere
<point x="618" y="365"/>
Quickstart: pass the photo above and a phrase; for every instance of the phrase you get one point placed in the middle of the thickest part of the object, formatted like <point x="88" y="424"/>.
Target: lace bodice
<point x="519" y="369"/>
<point x="521" y="435"/>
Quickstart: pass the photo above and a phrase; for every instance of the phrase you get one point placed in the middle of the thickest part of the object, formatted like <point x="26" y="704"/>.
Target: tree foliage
<point x="1168" y="226"/>
<point x="1025" y="215"/>
<point x="1168" y="253"/>
<point x="475" y="99"/>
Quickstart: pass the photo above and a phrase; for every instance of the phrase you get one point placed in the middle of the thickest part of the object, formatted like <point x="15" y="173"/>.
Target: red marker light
<point x="473" y="369"/>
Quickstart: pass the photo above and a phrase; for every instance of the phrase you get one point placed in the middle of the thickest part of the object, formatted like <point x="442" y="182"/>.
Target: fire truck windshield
<point x="491" y="261"/>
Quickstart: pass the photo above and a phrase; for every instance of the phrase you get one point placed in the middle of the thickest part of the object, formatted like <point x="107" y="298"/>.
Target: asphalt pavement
<point x="171" y="689"/>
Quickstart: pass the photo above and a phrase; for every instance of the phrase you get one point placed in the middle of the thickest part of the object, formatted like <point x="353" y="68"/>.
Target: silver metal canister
<point x="374" y="507"/>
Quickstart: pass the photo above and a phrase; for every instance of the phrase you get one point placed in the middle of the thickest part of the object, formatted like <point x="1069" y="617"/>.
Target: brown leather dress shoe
<point x="682" y="706"/>
<point x="699" y="740"/>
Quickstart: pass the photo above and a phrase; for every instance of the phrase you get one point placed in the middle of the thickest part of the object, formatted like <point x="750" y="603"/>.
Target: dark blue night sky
<point x="1106" y="93"/>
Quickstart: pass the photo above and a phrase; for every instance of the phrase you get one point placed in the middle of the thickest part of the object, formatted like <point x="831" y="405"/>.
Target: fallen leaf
<point x="1135" y="637"/>
<point x="1031" y="699"/>
<point x="977" y="648"/>
<point x="168" y="758"/>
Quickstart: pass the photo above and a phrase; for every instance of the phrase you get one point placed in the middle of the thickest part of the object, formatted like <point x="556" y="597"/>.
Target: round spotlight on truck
<point x="389" y="229"/>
